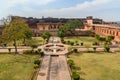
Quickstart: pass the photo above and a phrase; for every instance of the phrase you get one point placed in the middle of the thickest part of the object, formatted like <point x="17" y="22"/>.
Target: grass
<point x="16" y="67"/>
<point x="96" y="66"/>
<point x="85" y="39"/>
<point x="20" y="42"/>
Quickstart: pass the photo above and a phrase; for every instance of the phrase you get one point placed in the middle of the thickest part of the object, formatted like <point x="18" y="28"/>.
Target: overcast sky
<point x="108" y="10"/>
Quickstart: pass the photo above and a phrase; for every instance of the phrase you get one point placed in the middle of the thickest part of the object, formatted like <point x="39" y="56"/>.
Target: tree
<point x="71" y="25"/>
<point x="46" y="36"/>
<point x="28" y="34"/>
<point x="109" y="39"/>
<point x="14" y="31"/>
<point x="61" y="34"/>
<point x="99" y="38"/>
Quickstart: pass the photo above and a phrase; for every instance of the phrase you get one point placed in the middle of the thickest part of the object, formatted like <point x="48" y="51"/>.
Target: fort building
<point x="52" y="25"/>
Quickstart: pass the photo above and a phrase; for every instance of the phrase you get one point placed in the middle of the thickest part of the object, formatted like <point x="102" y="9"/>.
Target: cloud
<point x="97" y="8"/>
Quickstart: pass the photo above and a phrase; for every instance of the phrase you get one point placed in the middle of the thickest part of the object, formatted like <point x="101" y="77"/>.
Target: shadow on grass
<point x="82" y="79"/>
<point x="76" y="68"/>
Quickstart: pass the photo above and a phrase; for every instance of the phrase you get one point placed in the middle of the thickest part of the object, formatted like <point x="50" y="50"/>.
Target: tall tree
<point x="46" y="36"/>
<point x="61" y="34"/>
<point x="14" y="31"/>
<point x="71" y="25"/>
<point x="28" y="34"/>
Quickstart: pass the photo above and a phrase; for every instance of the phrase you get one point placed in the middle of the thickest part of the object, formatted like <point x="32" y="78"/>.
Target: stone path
<point x="44" y="69"/>
<point x="54" y="66"/>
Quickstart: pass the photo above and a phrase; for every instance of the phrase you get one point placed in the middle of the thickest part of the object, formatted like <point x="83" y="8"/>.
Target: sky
<point x="108" y="10"/>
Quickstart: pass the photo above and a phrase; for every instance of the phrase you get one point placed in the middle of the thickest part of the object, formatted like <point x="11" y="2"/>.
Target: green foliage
<point x="70" y="63"/>
<point x="36" y="66"/>
<point x="81" y="43"/>
<point x="15" y="30"/>
<point x="72" y="43"/>
<point x="89" y="33"/>
<point x="75" y="50"/>
<point x="94" y="48"/>
<point x="95" y="43"/>
<point x="28" y="33"/>
<point x="71" y="25"/>
<point x="97" y="37"/>
<point x="37" y="62"/>
<point x="75" y="76"/>
<point x="9" y="49"/>
<point x="61" y="34"/>
<point x="42" y="53"/>
<point x="46" y="36"/>
<point x="107" y="48"/>
<point x="108" y="40"/>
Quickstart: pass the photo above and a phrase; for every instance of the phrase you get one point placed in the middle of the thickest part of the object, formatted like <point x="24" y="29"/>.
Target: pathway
<point x="54" y="65"/>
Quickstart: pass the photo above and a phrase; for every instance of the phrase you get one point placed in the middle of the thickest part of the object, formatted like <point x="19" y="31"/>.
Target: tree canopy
<point x="14" y="31"/>
<point x="71" y="25"/>
<point x="46" y="36"/>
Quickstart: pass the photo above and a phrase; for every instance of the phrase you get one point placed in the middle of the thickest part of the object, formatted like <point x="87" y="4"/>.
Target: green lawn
<point x="39" y="40"/>
<point x="95" y="66"/>
<point x="16" y="67"/>
<point x="84" y="39"/>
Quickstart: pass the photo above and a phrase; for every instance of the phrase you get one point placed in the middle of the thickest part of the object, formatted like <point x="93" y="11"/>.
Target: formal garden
<point x="86" y="65"/>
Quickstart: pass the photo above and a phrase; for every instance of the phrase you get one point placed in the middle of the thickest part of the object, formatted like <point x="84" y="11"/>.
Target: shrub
<point x="64" y="42"/>
<point x="5" y="45"/>
<point x="75" y="50"/>
<point x="42" y="53"/>
<point x="107" y="48"/>
<point x="9" y="49"/>
<point x="70" y="63"/>
<point x="72" y="43"/>
<point x="95" y="43"/>
<point x="81" y="44"/>
<point x="37" y="62"/>
<point x="39" y="50"/>
<point x="36" y="66"/>
<point x="94" y="48"/>
<point x="68" y="42"/>
<point x="75" y="76"/>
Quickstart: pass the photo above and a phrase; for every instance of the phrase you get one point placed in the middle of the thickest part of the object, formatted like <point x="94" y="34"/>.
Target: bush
<point x="42" y="53"/>
<point x="64" y="42"/>
<point x="68" y="42"/>
<point x="38" y="51"/>
<point x="9" y="49"/>
<point x="27" y="52"/>
<point x="37" y="62"/>
<point x="94" y="48"/>
<point x="81" y="44"/>
<point x="75" y="76"/>
<point x="72" y="43"/>
<point x="95" y="43"/>
<point x="70" y="63"/>
<point x="75" y="50"/>
<point x="36" y="66"/>
<point x="107" y="48"/>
